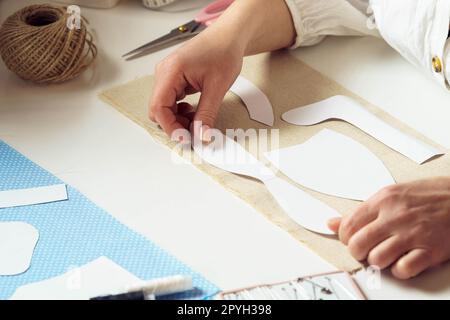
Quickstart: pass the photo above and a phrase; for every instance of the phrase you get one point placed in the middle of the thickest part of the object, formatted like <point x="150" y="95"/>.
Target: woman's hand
<point x="206" y="64"/>
<point x="404" y="226"/>
<point x="210" y="63"/>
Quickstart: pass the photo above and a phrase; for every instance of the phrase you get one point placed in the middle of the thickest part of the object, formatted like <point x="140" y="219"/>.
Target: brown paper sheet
<point x="288" y="83"/>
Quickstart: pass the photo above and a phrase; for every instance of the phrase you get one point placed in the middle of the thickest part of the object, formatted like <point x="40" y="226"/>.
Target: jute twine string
<point x="37" y="44"/>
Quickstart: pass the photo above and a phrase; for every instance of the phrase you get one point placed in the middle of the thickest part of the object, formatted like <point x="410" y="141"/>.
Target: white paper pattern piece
<point x="228" y="155"/>
<point x="257" y="103"/>
<point x="99" y="277"/>
<point x="334" y="164"/>
<point x="349" y="110"/>
<point x="39" y="195"/>
<point x="17" y="243"/>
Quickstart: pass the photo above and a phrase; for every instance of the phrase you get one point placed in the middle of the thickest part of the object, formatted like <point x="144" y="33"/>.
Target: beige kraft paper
<point x="288" y="83"/>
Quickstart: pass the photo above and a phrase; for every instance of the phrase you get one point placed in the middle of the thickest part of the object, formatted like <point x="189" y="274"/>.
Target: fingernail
<point x="182" y="136"/>
<point x="333" y="224"/>
<point x="185" y="139"/>
<point x="205" y="133"/>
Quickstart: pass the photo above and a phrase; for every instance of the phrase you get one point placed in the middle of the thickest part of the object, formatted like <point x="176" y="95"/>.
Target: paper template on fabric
<point x="30" y="196"/>
<point x="228" y="155"/>
<point x="280" y="75"/>
<point x="17" y="243"/>
<point x="76" y="232"/>
<point x="334" y="164"/>
<point x="347" y="109"/>
<point x="257" y="103"/>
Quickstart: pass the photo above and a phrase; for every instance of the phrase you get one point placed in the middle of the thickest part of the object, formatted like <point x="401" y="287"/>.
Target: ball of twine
<point x="37" y="44"/>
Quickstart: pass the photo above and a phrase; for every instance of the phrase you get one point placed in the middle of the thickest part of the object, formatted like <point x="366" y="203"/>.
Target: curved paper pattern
<point x="347" y="109"/>
<point x="17" y="243"/>
<point x="307" y="211"/>
<point x="228" y="155"/>
<point x="257" y="103"/>
<point x="333" y="164"/>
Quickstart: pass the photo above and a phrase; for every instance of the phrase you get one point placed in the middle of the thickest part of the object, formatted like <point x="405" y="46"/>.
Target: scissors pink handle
<point x="213" y="11"/>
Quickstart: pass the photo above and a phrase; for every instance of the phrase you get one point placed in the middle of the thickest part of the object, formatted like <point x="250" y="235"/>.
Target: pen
<point x="150" y="289"/>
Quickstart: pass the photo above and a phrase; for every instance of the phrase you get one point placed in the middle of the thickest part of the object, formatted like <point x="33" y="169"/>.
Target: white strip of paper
<point x="349" y="110"/>
<point x="38" y="195"/>
<point x="257" y="103"/>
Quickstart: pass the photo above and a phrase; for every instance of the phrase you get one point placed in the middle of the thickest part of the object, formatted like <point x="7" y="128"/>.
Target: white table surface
<point x="67" y="130"/>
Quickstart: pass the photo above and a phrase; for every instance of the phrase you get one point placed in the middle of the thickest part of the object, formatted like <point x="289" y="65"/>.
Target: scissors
<point x="205" y="18"/>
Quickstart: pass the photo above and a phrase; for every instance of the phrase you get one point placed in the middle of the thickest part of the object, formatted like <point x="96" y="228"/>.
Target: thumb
<point x="334" y="223"/>
<point x="208" y="108"/>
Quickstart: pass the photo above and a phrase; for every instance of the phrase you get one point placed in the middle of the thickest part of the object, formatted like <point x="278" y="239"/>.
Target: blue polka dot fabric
<point x="76" y="231"/>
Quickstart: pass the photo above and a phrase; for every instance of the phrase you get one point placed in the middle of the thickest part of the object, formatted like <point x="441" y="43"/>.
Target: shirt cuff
<point x="314" y="20"/>
<point x="418" y="30"/>
<point x="447" y="64"/>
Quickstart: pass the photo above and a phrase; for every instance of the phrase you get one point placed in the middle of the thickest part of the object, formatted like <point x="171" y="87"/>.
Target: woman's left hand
<point x="404" y="226"/>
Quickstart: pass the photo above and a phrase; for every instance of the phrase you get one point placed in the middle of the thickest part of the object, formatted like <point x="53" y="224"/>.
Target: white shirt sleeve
<point x="417" y="29"/>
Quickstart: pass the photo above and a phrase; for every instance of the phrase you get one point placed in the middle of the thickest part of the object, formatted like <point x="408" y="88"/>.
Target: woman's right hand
<point x="211" y="62"/>
<point x="207" y="64"/>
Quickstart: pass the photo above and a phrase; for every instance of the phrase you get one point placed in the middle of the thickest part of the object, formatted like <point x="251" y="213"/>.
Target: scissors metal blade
<point x="185" y="31"/>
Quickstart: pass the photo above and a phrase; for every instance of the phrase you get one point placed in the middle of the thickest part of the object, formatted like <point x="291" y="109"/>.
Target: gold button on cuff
<point x="437" y="64"/>
<point x="182" y="29"/>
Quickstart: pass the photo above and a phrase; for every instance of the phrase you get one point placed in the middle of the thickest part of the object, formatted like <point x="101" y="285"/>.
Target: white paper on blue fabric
<point x="96" y="278"/>
<point x="17" y="243"/>
<point x="30" y="196"/>
<point x="76" y="231"/>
